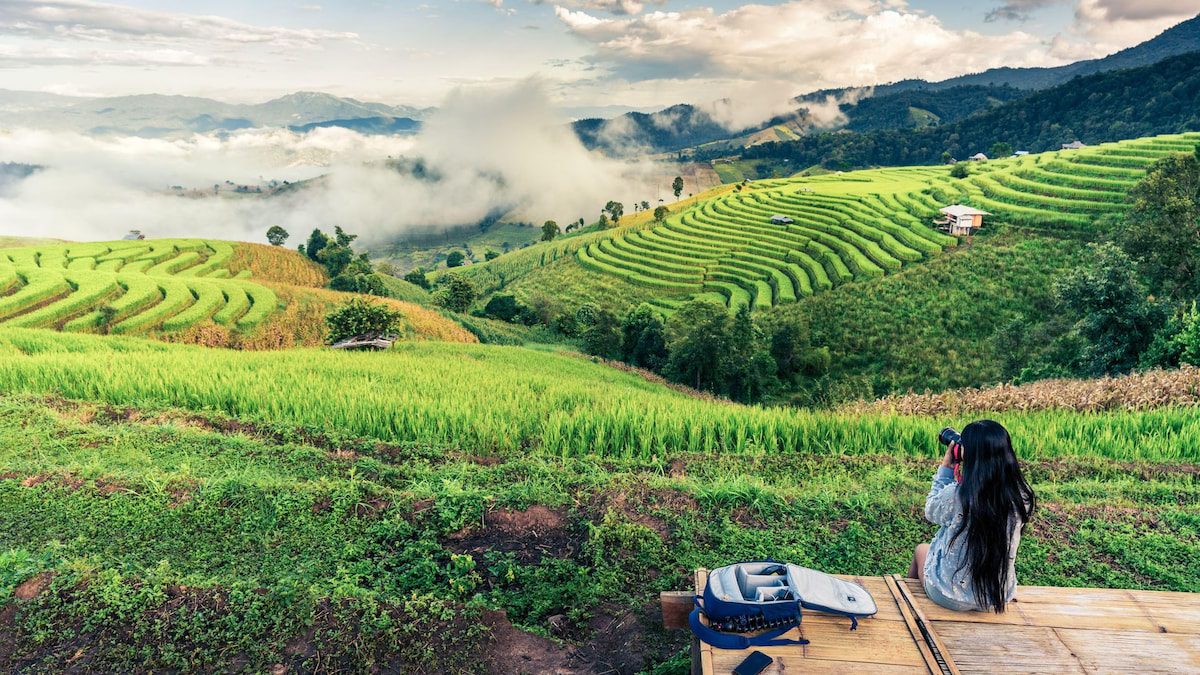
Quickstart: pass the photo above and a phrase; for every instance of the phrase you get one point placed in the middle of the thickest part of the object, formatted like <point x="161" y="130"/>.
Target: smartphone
<point x="753" y="665"/>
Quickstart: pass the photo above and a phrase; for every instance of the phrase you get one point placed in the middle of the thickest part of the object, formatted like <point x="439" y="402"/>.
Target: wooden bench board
<point x="1045" y="630"/>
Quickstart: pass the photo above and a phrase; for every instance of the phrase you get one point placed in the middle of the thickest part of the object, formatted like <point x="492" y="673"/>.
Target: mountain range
<point x="158" y="115"/>
<point x="904" y="104"/>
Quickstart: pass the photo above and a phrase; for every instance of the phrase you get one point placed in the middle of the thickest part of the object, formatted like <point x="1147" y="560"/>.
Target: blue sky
<point x="642" y="53"/>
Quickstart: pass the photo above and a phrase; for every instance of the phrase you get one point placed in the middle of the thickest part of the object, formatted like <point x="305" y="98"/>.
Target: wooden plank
<point x="1055" y="608"/>
<point x="726" y="661"/>
<point x="1112" y="651"/>
<point x="676" y="606"/>
<point x="987" y="648"/>
<point x="938" y="648"/>
<point x="704" y="649"/>
<point x="914" y="629"/>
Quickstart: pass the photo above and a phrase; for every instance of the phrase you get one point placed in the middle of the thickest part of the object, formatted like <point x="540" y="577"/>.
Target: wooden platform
<point x="1045" y="630"/>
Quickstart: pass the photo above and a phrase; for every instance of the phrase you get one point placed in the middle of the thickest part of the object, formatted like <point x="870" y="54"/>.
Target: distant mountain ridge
<point x="1179" y="39"/>
<point x="898" y="105"/>
<point x="158" y="115"/>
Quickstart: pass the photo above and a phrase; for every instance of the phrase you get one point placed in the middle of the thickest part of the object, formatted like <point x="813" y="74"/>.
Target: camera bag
<point x="771" y="596"/>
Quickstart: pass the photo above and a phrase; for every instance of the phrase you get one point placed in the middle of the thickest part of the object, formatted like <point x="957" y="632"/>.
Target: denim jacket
<point x="947" y="574"/>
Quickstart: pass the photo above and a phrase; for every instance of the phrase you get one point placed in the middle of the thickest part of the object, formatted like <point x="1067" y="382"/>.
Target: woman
<point x="981" y="513"/>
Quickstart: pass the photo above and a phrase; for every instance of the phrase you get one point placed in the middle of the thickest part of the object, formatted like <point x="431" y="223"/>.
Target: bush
<point x="359" y="316"/>
<point x="417" y="277"/>
<point x="455" y="259"/>
<point x="455" y="293"/>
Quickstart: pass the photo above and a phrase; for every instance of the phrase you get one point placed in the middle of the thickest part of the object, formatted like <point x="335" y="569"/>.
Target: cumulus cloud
<point x="812" y="44"/>
<point x="618" y="7"/>
<point x="1017" y="10"/>
<point x="1102" y="27"/>
<point x="87" y="20"/>
<point x="485" y="151"/>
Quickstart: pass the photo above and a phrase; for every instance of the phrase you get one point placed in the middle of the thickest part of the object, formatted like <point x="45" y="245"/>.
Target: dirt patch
<point x="529" y="535"/>
<point x="625" y="641"/>
<point x="32" y="588"/>
<point x="511" y="651"/>
<point x="35" y="480"/>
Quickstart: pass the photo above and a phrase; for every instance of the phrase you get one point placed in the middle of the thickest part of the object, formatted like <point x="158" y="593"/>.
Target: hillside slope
<point x="1159" y="99"/>
<point x="213" y="292"/>
<point x="843" y="228"/>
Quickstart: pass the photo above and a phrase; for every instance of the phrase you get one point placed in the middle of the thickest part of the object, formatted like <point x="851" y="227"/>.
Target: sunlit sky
<point x="640" y="53"/>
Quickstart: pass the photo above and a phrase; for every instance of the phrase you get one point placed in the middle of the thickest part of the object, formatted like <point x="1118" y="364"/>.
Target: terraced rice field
<point x="129" y="287"/>
<point x="864" y="224"/>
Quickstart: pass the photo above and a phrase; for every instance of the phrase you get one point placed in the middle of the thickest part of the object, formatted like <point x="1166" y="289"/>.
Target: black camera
<point x="949" y="436"/>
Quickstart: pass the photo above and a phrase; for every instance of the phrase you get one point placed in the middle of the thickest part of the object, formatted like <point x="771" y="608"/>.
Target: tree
<point x="660" y="213"/>
<point x="549" y="230"/>
<point x="455" y="259"/>
<point x="387" y="267"/>
<point x="751" y="372"/>
<point x="1000" y="149"/>
<point x="599" y="331"/>
<point x="341" y="237"/>
<point x="698" y="340"/>
<point x="1114" y="314"/>
<point x="358" y="317"/>
<point x="645" y="205"/>
<point x="603" y="222"/>
<point x="455" y="293"/>
<point x="335" y="258"/>
<point x="276" y="235"/>
<point x="1162" y="229"/>
<point x="503" y="307"/>
<point x="369" y="284"/>
<point x="947" y="157"/>
<point x="316" y="241"/>
<point x="615" y="210"/>
<point x="960" y="170"/>
<point x="416" y="277"/>
<point x="677" y="186"/>
<point x="490" y="255"/>
<point x="644" y="339"/>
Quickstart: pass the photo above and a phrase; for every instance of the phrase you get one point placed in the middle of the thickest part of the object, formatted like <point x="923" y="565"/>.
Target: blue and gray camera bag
<point x="771" y="597"/>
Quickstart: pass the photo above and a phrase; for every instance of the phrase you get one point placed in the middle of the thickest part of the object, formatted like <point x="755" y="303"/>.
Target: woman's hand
<point x="948" y="459"/>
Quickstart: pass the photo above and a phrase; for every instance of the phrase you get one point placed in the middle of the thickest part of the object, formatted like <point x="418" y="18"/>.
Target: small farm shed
<point x="1074" y="145"/>
<point x="1020" y="153"/>
<point x="367" y="341"/>
<point x="781" y="220"/>
<point x="960" y="220"/>
<point x="978" y="157"/>
<point x="134" y="235"/>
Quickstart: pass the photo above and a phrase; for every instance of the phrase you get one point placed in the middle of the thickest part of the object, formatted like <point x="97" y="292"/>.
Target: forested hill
<point x="1156" y="99"/>
<point x="1180" y="39"/>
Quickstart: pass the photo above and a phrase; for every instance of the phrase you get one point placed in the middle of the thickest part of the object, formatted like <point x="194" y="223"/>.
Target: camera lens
<point x="948" y="436"/>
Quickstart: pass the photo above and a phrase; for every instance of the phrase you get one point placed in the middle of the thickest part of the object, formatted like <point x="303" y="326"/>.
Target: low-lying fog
<point x="483" y="152"/>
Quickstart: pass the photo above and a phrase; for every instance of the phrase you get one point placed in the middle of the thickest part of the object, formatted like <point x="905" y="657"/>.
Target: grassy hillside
<point x="212" y="292"/>
<point x="847" y="228"/>
<point x="501" y="399"/>
<point x="435" y="499"/>
<point x="429" y="251"/>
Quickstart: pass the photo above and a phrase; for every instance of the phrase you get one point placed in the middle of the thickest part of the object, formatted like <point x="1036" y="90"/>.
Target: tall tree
<point x="1162" y="229"/>
<point x="644" y="339"/>
<point x="615" y="210"/>
<point x="549" y="230"/>
<point x="1114" y="314"/>
<point x="677" y="186"/>
<point x="276" y="235"/>
<point x="698" y="339"/>
<point x="316" y="241"/>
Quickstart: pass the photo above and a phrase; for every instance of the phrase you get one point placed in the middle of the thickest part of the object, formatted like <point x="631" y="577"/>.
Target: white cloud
<point x="12" y="56"/>
<point x="617" y="7"/>
<point x="485" y="150"/>
<point x="811" y="44"/>
<point x="87" y="20"/>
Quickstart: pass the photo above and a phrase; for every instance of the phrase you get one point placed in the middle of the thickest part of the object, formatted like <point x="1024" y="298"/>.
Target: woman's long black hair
<point x="992" y="492"/>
